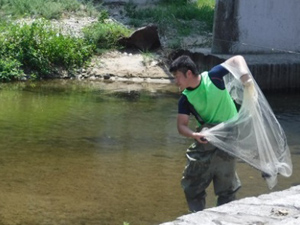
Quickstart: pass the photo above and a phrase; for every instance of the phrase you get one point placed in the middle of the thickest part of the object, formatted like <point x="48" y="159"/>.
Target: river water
<point x="103" y="153"/>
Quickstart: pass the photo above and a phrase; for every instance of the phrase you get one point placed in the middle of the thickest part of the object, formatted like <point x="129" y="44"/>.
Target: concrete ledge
<point x="276" y="208"/>
<point x="272" y="72"/>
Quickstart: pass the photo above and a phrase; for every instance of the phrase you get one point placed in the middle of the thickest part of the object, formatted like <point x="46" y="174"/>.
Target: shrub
<point x="39" y="48"/>
<point x="105" y="35"/>
<point x="10" y="69"/>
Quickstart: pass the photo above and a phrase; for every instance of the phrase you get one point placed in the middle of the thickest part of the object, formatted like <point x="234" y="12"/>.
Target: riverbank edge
<point x="272" y="72"/>
<point x="282" y="207"/>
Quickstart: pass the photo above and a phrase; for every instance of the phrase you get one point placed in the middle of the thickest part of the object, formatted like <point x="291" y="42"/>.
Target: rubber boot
<point x="223" y="199"/>
<point x="196" y="204"/>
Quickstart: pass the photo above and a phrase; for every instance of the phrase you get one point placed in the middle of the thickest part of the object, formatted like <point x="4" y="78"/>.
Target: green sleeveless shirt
<point x="213" y="104"/>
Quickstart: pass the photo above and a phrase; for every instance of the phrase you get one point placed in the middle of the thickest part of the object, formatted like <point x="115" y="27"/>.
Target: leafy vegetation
<point x="39" y="49"/>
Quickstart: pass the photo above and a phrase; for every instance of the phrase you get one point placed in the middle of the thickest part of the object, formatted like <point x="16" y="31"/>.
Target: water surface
<point x="102" y="153"/>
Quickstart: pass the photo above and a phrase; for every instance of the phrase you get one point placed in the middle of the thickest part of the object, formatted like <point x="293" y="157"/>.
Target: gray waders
<point x="206" y="163"/>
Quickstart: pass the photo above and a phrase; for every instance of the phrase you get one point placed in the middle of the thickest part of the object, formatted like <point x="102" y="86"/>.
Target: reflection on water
<point x="75" y="153"/>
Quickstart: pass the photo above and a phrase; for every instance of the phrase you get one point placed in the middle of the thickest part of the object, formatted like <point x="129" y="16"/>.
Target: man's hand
<point x="200" y="138"/>
<point x="250" y="90"/>
<point x="246" y="79"/>
<point x="183" y="129"/>
<point x="249" y="86"/>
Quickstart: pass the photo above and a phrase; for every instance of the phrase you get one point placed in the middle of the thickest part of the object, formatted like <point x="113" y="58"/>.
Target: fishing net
<point x="254" y="134"/>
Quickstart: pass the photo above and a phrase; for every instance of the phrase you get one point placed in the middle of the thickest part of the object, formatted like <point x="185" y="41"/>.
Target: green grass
<point x="175" y="15"/>
<point x="105" y="35"/>
<point x="49" y="9"/>
<point x="210" y="3"/>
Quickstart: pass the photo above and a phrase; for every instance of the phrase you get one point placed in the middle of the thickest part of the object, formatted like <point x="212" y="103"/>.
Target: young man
<point x="206" y="97"/>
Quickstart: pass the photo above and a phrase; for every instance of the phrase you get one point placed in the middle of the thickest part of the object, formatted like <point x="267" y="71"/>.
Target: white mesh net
<point x="254" y="134"/>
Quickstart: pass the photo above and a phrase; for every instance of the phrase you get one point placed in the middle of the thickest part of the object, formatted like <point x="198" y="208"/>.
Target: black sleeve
<point x="216" y="75"/>
<point x="183" y="106"/>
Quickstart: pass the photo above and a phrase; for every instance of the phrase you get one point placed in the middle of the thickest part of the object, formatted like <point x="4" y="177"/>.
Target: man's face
<point x="181" y="80"/>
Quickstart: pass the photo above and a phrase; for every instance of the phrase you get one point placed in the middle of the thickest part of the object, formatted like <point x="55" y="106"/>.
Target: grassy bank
<point x="175" y="14"/>
<point x="40" y="50"/>
<point x="175" y="18"/>
<point x="37" y="8"/>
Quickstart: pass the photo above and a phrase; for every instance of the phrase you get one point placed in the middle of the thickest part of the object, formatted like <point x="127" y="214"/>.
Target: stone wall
<point x="256" y="26"/>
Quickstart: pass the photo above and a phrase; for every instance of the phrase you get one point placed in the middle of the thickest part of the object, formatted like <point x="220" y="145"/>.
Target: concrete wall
<point x="256" y="26"/>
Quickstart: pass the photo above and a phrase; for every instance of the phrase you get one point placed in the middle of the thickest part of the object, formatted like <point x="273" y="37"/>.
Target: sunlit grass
<point x="105" y="35"/>
<point x="210" y="3"/>
<point x="175" y="18"/>
<point x="173" y="13"/>
<point x="49" y="9"/>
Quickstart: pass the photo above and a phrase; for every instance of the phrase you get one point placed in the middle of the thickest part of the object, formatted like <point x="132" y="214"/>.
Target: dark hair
<point x="183" y="64"/>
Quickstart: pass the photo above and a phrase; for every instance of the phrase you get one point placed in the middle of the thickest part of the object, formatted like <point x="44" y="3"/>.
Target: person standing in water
<point x="206" y="97"/>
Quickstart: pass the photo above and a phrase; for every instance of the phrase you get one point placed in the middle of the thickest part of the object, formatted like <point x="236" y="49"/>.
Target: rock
<point x="106" y="76"/>
<point x="145" y="38"/>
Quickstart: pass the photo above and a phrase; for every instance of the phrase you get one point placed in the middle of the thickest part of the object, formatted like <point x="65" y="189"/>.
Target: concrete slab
<point x="277" y="57"/>
<point x="276" y="208"/>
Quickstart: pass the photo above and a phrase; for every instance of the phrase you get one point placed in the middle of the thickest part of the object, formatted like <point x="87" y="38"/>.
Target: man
<point x="206" y="97"/>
